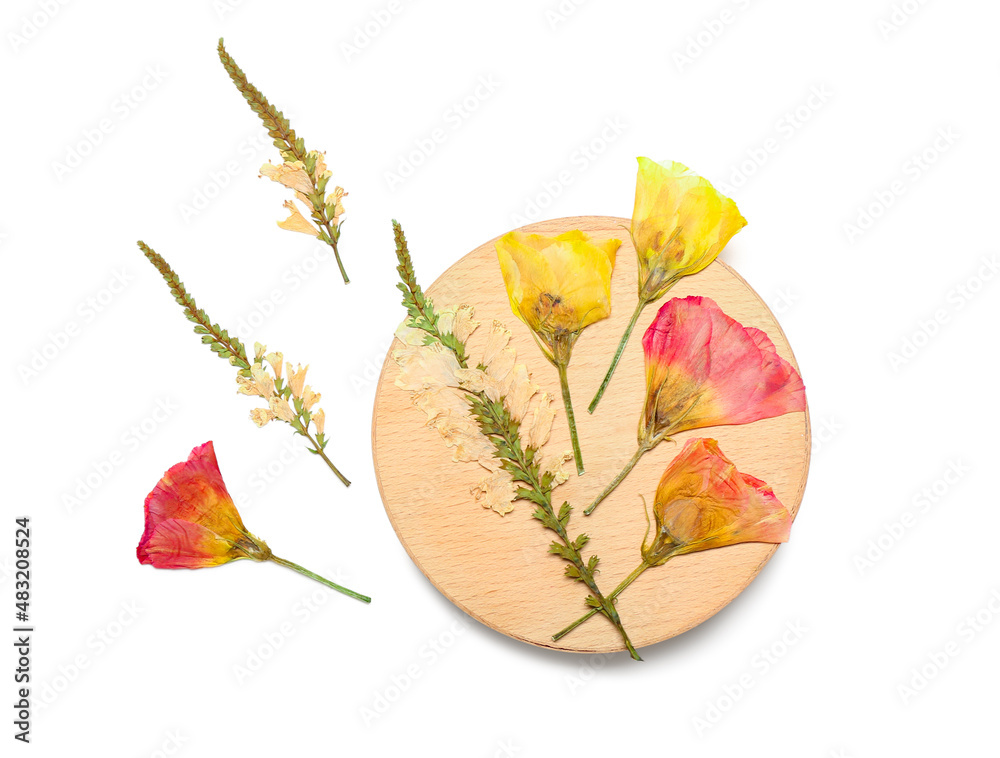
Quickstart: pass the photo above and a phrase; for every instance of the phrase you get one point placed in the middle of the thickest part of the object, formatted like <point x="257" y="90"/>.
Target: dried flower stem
<point x="320" y="579"/>
<point x="618" y="354"/>
<point x="496" y="423"/>
<point x="612" y="597"/>
<point x="643" y="449"/>
<point x="219" y="340"/>
<point x="570" y="418"/>
<point x="292" y="148"/>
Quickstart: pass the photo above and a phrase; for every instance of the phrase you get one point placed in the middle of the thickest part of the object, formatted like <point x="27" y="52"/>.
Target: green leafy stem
<point x="497" y="425"/>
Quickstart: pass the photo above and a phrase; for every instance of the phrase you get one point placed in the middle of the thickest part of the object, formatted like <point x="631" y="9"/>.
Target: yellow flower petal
<point x="296" y="222"/>
<point x="292" y="175"/>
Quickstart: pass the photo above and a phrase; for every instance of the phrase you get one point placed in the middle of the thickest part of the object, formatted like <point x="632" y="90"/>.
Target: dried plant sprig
<point x="289" y="400"/>
<point x="521" y="461"/>
<point x="303" y="171"/>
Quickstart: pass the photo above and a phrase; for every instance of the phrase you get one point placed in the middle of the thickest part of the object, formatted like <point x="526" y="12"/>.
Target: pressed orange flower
<point x="680" y="224"/>
<point x="703" y="369"/>
<point x="192" y="522"/>
<point x="703" y="502"/>
<point x="558" y="286"/>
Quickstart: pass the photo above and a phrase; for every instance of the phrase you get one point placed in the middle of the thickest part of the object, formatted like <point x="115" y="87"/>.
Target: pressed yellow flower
<point x="558" y="286"/>
<point x="296" y="222"/>
<point x="319" y="419"/>
<point x="680" y="223"/>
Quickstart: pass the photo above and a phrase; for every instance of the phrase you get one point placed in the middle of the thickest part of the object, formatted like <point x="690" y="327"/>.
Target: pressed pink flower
<point x="704" y="369"/>
<point x="192" y="522"/>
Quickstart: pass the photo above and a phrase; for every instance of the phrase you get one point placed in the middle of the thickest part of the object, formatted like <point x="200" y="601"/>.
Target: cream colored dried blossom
<point x="520" y="391"/>
<point x="261" y="416"/>
<point x="275" y="360"/>
<point x="281" y="409"/>
<point x="477" y="380"/>
<point x="425" y="366"/>
<point x="319" y="420"/>
<point x="496" y="341"/>
<point x="247" y="386"/>
<point x="297" y="379"/>
<point x="309" y="398"/>
<point x="540" y="427"/>
<point x="296" y="222"/>
<point x="555" y="464"/>
<point x="496" y="492"/>
<point x="464" y="323"/>
<point x="321" y="171"/>
<point x="292" y="174"/>
<point x="335" y="205"/>
<point x="262" y="380"/>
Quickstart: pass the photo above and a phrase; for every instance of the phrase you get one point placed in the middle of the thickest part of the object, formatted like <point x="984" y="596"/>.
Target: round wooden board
<point x="497" y="569"/>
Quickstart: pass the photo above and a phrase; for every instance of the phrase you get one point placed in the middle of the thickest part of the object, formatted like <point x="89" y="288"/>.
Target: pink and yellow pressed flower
<point x="192" y="522"/>
<point x="680" y="224"/>
<point x="703" y="502"/>
<point x="704" y="369"/>
<point x="558" y="286"/>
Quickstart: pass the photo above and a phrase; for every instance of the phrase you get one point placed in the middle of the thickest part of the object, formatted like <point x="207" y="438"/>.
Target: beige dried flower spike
<point x="302" y="171"/>
<point x="287" y="399"/>
<point x="440" y="387"/>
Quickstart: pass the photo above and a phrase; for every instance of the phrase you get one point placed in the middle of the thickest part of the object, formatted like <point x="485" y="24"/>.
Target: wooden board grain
<point x="497" y="569"/>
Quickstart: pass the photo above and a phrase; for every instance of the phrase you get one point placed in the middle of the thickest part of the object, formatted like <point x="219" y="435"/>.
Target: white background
<point x="140" y="662"/>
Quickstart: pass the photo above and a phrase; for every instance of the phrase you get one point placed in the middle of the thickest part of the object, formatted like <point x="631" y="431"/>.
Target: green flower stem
<point x="618" y="590"/>
<point x="321" y="580"/>
<point x="336" y="252"/>
<point x="570" y="418"/>
<point x="319" y="451"/>
<point x="618" y="354"/>
<point x="644" y="448"/>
